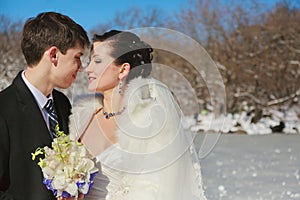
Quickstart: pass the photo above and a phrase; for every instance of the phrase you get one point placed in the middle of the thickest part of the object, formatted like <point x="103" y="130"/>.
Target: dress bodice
<point x="162" y="184"/>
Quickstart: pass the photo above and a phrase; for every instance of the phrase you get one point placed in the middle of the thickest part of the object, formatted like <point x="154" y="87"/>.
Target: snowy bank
<point x="273" y="121"/>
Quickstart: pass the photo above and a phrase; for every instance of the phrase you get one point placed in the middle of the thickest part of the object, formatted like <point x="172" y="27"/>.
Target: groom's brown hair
<point x="50" y="29"/>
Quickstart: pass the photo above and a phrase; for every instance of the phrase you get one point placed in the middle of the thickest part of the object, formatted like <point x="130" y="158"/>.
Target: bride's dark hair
<point x="128" y="48"/>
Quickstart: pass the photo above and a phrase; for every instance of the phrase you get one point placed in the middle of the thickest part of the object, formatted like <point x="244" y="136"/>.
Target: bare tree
<point x="259" y="49"/>
<point x="11" y="57"/>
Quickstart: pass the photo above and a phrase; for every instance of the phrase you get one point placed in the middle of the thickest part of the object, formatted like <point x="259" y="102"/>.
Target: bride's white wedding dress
<point x="154" y="157"/>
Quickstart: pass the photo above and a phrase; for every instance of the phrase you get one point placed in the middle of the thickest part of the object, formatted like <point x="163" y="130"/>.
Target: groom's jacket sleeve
<point x="4" y="156"/>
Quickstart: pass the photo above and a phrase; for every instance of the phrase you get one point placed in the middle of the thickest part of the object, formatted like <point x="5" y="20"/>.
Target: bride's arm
<point x="161" y="155"/>
<point x="93" y="138"/>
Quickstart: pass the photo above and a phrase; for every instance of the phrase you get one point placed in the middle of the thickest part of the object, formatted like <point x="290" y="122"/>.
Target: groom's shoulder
<point x="7" y="95"/>
<point x="58" y="93"/>
<point x="60" y="96"/>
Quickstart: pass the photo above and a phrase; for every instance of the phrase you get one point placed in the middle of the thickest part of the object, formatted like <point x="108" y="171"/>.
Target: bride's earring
<point x="120" y="87"/>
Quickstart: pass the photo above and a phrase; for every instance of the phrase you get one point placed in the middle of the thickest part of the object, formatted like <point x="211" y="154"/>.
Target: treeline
<point x="256" y="50"/>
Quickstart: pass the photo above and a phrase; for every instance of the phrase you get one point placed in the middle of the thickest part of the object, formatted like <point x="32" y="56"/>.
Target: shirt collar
<point x="38" y="95"/>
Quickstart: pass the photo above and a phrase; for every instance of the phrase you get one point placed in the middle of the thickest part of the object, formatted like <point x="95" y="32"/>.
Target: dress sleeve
<point x="98" y="190"/>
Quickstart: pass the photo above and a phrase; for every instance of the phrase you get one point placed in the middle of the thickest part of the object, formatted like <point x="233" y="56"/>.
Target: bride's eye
<point x="97" y="60"/>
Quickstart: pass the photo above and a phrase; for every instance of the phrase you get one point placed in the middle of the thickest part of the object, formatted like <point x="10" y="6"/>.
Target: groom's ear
<point x="53" y="54"/>
<point x="124" y="70"/>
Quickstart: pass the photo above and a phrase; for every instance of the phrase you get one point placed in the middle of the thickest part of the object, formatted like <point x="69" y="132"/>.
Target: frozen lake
<point x="252" y="167"/>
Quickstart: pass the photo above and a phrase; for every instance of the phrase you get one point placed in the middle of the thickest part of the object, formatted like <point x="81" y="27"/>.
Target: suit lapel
<point x="30" y="111"/>
<point x="59" y="111"/>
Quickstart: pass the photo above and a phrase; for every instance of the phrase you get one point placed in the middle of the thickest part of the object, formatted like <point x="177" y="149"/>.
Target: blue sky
<point x="88" y="13"/>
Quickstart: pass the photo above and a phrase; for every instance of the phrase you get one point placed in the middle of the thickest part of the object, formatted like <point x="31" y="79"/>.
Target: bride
<point x="133" y="129"/>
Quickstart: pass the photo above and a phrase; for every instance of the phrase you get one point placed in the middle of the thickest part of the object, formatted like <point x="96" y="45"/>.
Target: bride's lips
<point x="90" y="78"/>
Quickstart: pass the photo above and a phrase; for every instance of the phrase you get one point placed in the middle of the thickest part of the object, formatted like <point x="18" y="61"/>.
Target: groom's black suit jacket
<point x="22" y="130"/>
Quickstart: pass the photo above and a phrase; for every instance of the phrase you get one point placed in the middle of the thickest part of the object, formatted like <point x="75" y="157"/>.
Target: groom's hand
<point x="81" y="196"/>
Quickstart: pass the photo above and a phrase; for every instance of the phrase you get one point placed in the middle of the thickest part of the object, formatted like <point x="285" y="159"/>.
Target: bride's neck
<point x="111" y="101"/>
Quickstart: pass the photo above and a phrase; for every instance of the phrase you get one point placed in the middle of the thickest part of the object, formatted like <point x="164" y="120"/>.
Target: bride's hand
<point x="81" y="196"/>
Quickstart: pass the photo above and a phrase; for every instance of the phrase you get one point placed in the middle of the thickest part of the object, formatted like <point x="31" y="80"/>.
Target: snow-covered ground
<point x="252" y="167"/>
<point x="241" y="122"/>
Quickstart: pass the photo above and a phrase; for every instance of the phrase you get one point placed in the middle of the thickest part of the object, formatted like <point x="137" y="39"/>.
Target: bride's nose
<point x="88" y="69"/>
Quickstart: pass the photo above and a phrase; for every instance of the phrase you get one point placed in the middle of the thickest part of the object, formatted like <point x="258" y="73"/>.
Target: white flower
<point x="85" y="165"/>
<point x="49" y="151"/>
<point x="72" y="189"/>
<point x="59" y="182"/>
<point x="48" y="172"/>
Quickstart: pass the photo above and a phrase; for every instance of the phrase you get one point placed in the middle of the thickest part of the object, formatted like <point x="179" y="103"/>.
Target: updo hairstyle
<point x="128" y="48"/>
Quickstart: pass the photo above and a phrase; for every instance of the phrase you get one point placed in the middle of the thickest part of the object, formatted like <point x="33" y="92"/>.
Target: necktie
<point x="49" y="107"/>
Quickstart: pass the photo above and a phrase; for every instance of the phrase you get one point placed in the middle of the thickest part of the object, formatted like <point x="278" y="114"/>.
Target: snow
<point x="241" y="122"/>
<point x="254" y="167"/>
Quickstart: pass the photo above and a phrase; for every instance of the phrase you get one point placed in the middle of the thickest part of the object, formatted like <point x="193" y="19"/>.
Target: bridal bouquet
<point x="67" y="167"/>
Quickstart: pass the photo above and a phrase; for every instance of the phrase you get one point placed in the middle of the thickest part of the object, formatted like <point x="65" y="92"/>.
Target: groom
<point x="52" y="44"/>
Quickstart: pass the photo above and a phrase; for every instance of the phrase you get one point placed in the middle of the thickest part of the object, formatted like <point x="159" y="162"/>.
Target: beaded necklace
<point x="111" y="114"/>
